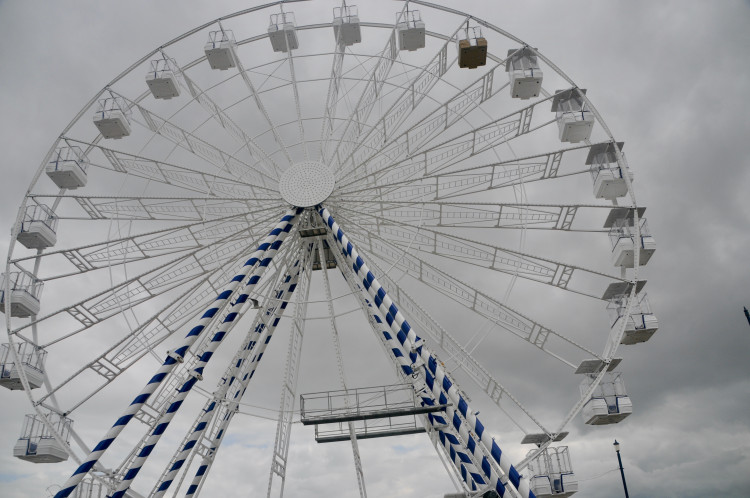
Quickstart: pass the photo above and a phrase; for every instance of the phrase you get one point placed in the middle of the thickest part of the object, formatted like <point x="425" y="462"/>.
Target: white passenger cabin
<point x="574" y="121"/>
<point x="25" y="291"/>
<point x="640" y="323"/>
<point x="161" y="80"/>
<point x="282" y="32"/>
<point x="346" y="29"/>
<point x="552" y="473"/>
<point x="411" y="31"/>
<point x="472" y="48"/>
<point x="38" y="228"/>
<point x="37" y="444"/>
<point x="67" y="168"/>
<point x="608" y="176"/>
<point x="30" y="361"/>
<point x="524" y="73"/>
<point x="220" y="50"/>
<point x="609" y="403"/>
<point x="623" y="235"/>
<point x="112" y="118"/>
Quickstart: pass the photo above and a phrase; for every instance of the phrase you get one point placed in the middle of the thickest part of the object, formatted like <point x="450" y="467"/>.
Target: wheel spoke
<point x="169" y="241"/>
<point x="404" y="159"/>
<point x="367" y="99"/>
<point x="184" y="177"/>
<point x="228" y="124"/>
<point x="163" y="208"/>
<point x="199" y="147"/>
<point x="475" y="215"/>
<point x="470" y="180"/>
<point x="488" y="256"/>
<point x="399" y="111"/>
<point x="473" y="299"/>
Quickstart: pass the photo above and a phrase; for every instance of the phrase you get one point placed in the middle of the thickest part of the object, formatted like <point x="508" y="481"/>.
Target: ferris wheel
<point x="423" y="202"/>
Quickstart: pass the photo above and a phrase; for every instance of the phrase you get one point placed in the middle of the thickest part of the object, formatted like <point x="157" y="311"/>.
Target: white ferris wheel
<point x="421" y="201"/>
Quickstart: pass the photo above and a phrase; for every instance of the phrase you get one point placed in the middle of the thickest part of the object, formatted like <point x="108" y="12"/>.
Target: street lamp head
<point x="617" y="446"/>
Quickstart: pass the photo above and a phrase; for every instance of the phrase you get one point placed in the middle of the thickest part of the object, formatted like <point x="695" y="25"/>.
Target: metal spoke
<point x="171" y="174"/>
<point x="487" y="256"/>
<point x="404" y="158"/>
<point x="369" y="96"/>
<point x="470" y="180"/>
<point x="164" y="208"/>
<point x="398" y="112"/>
<point x="228" y="124"/>
<point x="475" y="215"/>
<point x="200" y="148"/>
<point x="165" y="242"/>
<point x="261" y="107"/>
<point x="472" y="298"/>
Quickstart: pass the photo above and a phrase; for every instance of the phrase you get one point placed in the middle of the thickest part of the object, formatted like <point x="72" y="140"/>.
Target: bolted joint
<point x="417" y="344"/>
<point x="178" y="358"/>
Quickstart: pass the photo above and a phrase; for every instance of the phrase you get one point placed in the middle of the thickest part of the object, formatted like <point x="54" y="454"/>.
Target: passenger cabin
<point x="411" y="31"/>
<point x="640" y="323"/>
<point x="37" y="443"/>
<point x="623" y="235"/>
<point x="524" y="73"/>
<point x="30" y="362"/>
<point x="67" y="168"/>
<point x="472" y="49"/>
<point x="283" y="32"/>
<point x="220" y="50"/>
<point x="609" y="403"/>
<point x="25" y="291"/>
<point x="346" y="29"/>
<point x="38" y="228"/>
<point x="161" y="80"/>
<point x="552" y="473"/>
<point x="607" y="174"/>
<point x="112" y="118"/>
<point x="574" y="120"/>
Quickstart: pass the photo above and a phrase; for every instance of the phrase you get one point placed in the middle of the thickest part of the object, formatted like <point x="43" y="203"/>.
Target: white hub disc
<point x="306" y="184"/>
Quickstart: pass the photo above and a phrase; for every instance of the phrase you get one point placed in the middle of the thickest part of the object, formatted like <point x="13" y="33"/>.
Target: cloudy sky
<point x="671" y="80"/>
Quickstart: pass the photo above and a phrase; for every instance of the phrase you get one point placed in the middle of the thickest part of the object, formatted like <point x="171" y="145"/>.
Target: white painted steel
<point x="306" y="184"/>
<point x="456" y="184"/>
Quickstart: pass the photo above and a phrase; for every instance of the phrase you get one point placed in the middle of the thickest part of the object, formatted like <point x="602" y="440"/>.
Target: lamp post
<point x="622" y="472"/>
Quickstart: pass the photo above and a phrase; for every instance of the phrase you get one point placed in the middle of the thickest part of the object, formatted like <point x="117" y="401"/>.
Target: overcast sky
<point x="671" y="80"/>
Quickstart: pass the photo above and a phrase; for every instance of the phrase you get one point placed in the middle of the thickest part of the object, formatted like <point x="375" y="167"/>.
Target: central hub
<point x="306" y="184"/>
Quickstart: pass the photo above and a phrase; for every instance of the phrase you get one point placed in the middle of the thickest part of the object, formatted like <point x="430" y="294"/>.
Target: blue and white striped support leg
<point x="450" y="442"/>
<point x="455" y="450"/>
<point x="248" y="370"/>
<point x="175" y="357"/>
<point x="285" y="291"/>
<point x="469" y="421"/>
<point x="407" y="337"/>
<point x="235" y="313"/>
<point x="495" y="480"/>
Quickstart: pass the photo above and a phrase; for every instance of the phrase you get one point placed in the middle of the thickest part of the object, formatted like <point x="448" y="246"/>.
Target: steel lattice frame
<point x="448" y="195"/>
